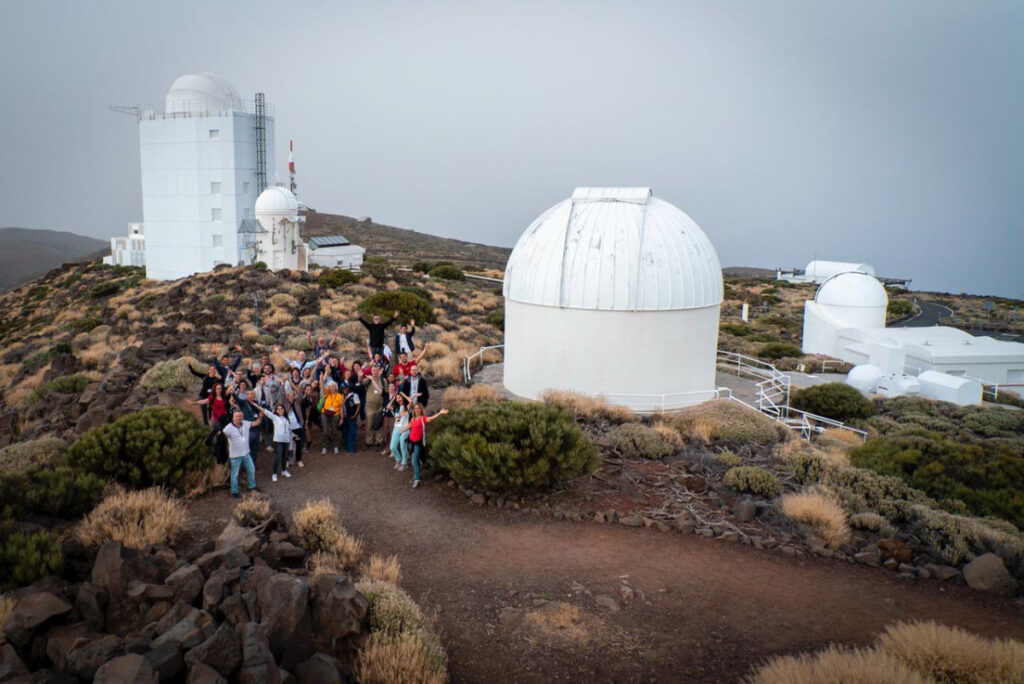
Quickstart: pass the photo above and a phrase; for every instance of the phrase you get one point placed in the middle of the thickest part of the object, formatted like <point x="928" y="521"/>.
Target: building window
<point x="214" y="134"/>
<point x="245" y="187"/>
<point x="215" y="214"/>
<point x="215" y="188"/>
<point x="218" y="240"/>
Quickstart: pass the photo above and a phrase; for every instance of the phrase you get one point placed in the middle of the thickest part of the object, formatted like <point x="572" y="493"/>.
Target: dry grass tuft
<point x="951" y="654"/>
<point x="835" y="664"/>
<point x="449" y="367"/>
<point x="669" y="433"/>
<point x="253" y="509"/>
<point x="7" y="604"/>
<point x="559" y="621"/>
<point x="37" y="452"/>
<point x="588" y="408"/>
<point x="249" y="332"/>
<point x="821" y="509"/>
<point x="319" y="531"/>
<point x="726" y="421"/>
<point x="456" y="398"/>
<point x="382" y="569"/>
<point x="384" y="659"/>
<point x="839" y="438"/>
<point x="134" y="518"/>
<point x="199" y="482"/>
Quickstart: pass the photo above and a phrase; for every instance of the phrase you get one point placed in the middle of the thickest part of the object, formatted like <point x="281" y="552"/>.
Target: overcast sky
<point x="889" y="131"/>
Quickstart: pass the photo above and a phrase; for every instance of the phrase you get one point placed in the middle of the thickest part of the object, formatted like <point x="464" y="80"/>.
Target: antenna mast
<point x="261" y="143"/>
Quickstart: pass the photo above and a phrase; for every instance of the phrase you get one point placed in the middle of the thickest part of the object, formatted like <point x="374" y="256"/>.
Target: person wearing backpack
<point x="417" y="429"/>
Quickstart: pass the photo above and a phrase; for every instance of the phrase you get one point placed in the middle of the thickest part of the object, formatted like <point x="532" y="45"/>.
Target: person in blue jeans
<point x="417" y="428"/>
<point x="237" y="434"/>
<point x="349" y="416"/>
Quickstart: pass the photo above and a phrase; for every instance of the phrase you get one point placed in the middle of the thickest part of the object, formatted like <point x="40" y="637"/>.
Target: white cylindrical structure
<point x="847" y="300"/>
<point x="613" y="292"/>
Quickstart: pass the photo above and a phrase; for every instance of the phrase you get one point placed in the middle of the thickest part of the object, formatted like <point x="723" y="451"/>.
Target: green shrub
<point x="258" y="266"/>
<point x="834" y="400"/>
<point x="104" y="289"/>
<point x="754" y="480"/>
<point x="447" y="273"/>
<point x="506" y="446"/>
<point x="862" y="490"/>
<point x="737" y="329"/>
<point x="336" y="277"/>
<point x="872" y="522"/>
<point x="214" y="300"/>
<point x="84" y="325"/>
<point x="27" y="558"/>
<point x="496" y="318"/>
<point x="69" y="384"/>
<point x="167" y="375"/>
<point x="421" y="292"/>
<point x="71" y="280"/>
<point x="728" y="422"/>
<point x="899" y="307"/>
<point x="635" y="440"/>
<point x="156" y="446"/>
<point x="266" y="340"/>
<point x="147" y="300"/>
<point x="990" y="481"/>
<point x="958" y="539"/>
<point x="38" y="452"/>
<point x="422" y="266"/>
<point x="63" y="492"/>
<point x="728" y="459"/>
<point x="779" y="350"/>
<point x="408" y="305"/>
<point x="378" y="267"/>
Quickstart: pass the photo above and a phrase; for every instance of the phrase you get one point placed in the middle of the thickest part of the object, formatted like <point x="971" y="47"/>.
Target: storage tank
<point x="613" y="292"/>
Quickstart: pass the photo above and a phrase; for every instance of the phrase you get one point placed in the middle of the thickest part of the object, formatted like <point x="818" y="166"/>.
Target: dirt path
<point x="703" y="610"/>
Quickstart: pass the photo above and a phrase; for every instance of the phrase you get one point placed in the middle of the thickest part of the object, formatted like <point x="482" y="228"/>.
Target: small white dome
<point x="199" y="93"/>
<point x="852" y="289"/>
<point x="617" y="249"/>
<point x="277" y="201"/>
<point x="864" y="378"/>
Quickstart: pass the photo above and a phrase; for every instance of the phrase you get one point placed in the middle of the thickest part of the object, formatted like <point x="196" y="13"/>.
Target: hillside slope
<point x="26" y="254"/>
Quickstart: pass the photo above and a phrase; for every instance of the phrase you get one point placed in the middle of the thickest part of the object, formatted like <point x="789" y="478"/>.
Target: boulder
<point x="204" y="674"/>
<point x="166" y="659"/>
<point x="943" y="573"/>
<point x="258" y="666"/>
<point x="744" y="510"/>
<point x="895" y="549"/>
<point x="223" y="558"/>
<point x="222" y="651"/>
<point x="238" y="537"/>
<point x="187" y="582"/>
<point x="126" y="668"/>
<point x="88" y="655"/>
<point x="234" y="611"/>
<point x="988" y="573"/>
<point x="190" y="631"/>
<point x="60" y="641"/>
<point x="30" y="612"/>
<point x="281" y="552"/>
<point x="337" y="610"/>
<point x="11" y="665"/>
<point x="319" y="669"/>
<point x="90" y="603"/>
<point x="283" y="599"/>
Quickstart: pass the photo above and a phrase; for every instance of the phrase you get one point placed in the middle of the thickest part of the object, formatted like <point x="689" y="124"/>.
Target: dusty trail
<point x="710" y="609"/>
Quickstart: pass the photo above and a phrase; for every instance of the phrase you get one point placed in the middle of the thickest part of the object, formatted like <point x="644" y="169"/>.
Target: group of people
<point x="385" y="397"/>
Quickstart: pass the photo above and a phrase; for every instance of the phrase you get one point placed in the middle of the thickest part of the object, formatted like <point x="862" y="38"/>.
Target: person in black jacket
<point x="403" y="340"/>
<point x="210" y="379"/>
<point x="222" y="365"/>
<point x="415" y="387"/>
<point x="377" y="332"/>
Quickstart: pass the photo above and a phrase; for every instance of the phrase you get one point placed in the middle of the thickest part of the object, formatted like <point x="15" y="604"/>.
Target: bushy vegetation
<point x="69" y="384"/>
<point x="26" y="558"/>
<point x="214" y="300"/>
<point x="779" y="350"/>
<point x="819" y="508"/>
<point x="422" y="267"/>
<point x="408" y="305"/>
<point x="421" y="292"/>
<point x="105" y="289"/>
<point x="635" y="440"/>
<point x="19" y="456"/>
<point x="253" y="509"/>
<point x="337" y="277"/>
<point x="505" y="446"/>
<point x="496" y="318"/>
<point x="899" y="307"/>
<point x="84" y="324"/>
<point x="60" y="491"/>
<point x="402" y="646"/>
<point x="835" y="400"/>
<point x="753" y="479"/>
<point x="319" y="531"/>
<point x="156" y="446"/>
<point x="447" y="273"/>
<point x="457" y="398"/>
<point x="588" y="408"/>
<point x="167" y="375"/>
<point x="726" y="422"/>
<point x="134" y="518"/>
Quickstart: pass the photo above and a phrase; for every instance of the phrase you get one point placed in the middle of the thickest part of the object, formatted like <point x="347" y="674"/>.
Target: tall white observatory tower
<point x="613" y="292"/>
<point x="205" y="160"/>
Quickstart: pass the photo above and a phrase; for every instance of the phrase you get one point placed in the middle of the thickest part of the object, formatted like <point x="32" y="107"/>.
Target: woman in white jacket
<point x="282" y="440"/>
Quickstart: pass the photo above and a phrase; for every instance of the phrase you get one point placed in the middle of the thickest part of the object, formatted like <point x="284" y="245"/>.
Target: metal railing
<point x="467" y="363"/>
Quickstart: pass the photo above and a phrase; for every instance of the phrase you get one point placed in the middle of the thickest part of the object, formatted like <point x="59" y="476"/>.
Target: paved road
<point x="931" y="314"/>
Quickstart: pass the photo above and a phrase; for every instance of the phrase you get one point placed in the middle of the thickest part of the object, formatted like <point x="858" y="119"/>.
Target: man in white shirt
<point x="237" y="434"/>
<point x="403" y="340"/>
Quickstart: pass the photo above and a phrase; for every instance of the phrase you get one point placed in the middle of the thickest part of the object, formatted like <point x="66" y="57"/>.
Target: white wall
<point x="345" y="256"/>
<point x="612" y="353"/>
<point x="823" y="322"/>
<point x="180" y="162"/>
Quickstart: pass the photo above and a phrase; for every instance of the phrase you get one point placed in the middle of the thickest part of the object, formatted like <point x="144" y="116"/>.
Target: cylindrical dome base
<point x="645" y="360"/>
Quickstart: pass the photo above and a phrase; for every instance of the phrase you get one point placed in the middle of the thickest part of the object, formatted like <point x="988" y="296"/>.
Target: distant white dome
<point x="277" y="201"/>
<point x="199" y="93"/>
<point x="852" y="289"/>
<point x="617" y="249"/>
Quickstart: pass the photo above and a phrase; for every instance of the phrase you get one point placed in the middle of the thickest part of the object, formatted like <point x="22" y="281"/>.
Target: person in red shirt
<point x="405" y="364"/>
<point x="417" y="428"/>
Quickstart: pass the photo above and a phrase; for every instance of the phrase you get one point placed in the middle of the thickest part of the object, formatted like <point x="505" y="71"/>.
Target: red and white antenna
<point x="291" y="167"/>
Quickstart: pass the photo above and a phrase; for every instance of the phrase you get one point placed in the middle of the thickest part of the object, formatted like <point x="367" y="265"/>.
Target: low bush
<point x="214" y="300"/>
<point x="496" y="318"/>
<point x="958" y="538"/>
<point x="753" y="479"/>
<point x="820" y="509"/>
<point x="421" y="292"/>
<point x="737" y="329"/>
<point x="266" y="340"/>
<point x="409" y="306"/>
<point x="403" y="645"/>
<point x="588" y="408"/>
<point x="863" y="490"/>
<point x="104" y="289"/>
<point x="779" y="350"/>
<point x="990" y="481"/>
<point x="899" y="307"/>
<point x="319" y="531"/>
<point x="422" y="266"/>
<point x="835" y="400"/>
<point x="156" y="446"/>
<point x="15" y="458"/>
<point x="634" y="440"/>
<point x="872" y="522"/>
<point x="458" y="398"/>
<point x="61" y="491"/>
<point x="447" y="273"/>
<point x="505" y="446"/>
<point x="728" y="459"/>
<point x="69" y="384"/>
<point x="137" y="519"/>
<point x="728" y="422"/>
<point x="84" y="325"/>
<point x="284" y="300"/>
<point x="391" y="610"/>
<point x="167" y="375"/>
<point x="951" y="654"/>
<point x="199" y="482"/>
<point x="26" y="558"/>
<point x="337" y="277"/>
<point x="253" y="509"/>
<point x="836" y="664"/>
<point x="382" y="569"/>
<point x="377" y="267"/>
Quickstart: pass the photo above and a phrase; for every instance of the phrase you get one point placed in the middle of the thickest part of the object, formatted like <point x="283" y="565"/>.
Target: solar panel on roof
<point x="328" y="241"/>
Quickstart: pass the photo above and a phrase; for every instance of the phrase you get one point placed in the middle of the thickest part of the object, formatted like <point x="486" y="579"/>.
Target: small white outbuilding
<point x="613" y="292"/>
<point x="275" y="236"/>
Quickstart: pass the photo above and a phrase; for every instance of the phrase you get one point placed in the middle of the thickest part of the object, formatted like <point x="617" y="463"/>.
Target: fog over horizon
<point x="889" y="133"/>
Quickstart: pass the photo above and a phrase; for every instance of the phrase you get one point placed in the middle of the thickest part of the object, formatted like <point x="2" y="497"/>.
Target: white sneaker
<point x="270" y="448"/>
<point x="335" y="449"/>
<point x="324" y="450"/>
<point x="301" y="464"/>
<point x="287" y="474"/>
<point x="273" y="478"/>
<point x="415" y="484"/>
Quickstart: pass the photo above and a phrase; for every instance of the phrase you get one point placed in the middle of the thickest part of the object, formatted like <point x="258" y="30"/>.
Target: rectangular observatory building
<point x="204" y="162"/>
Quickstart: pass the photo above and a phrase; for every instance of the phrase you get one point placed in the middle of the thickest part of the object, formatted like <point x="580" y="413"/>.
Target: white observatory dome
<point x="277" y="201"/>
<point x="852" y="289"/>
<point x="618" y="249"/>
<point x="613" y="292"/>
<point x="202" y="93"/>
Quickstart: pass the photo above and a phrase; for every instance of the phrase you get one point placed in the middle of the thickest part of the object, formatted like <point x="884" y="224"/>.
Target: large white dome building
<point x="854" y="299"/>
<point x="613" y="292"/>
